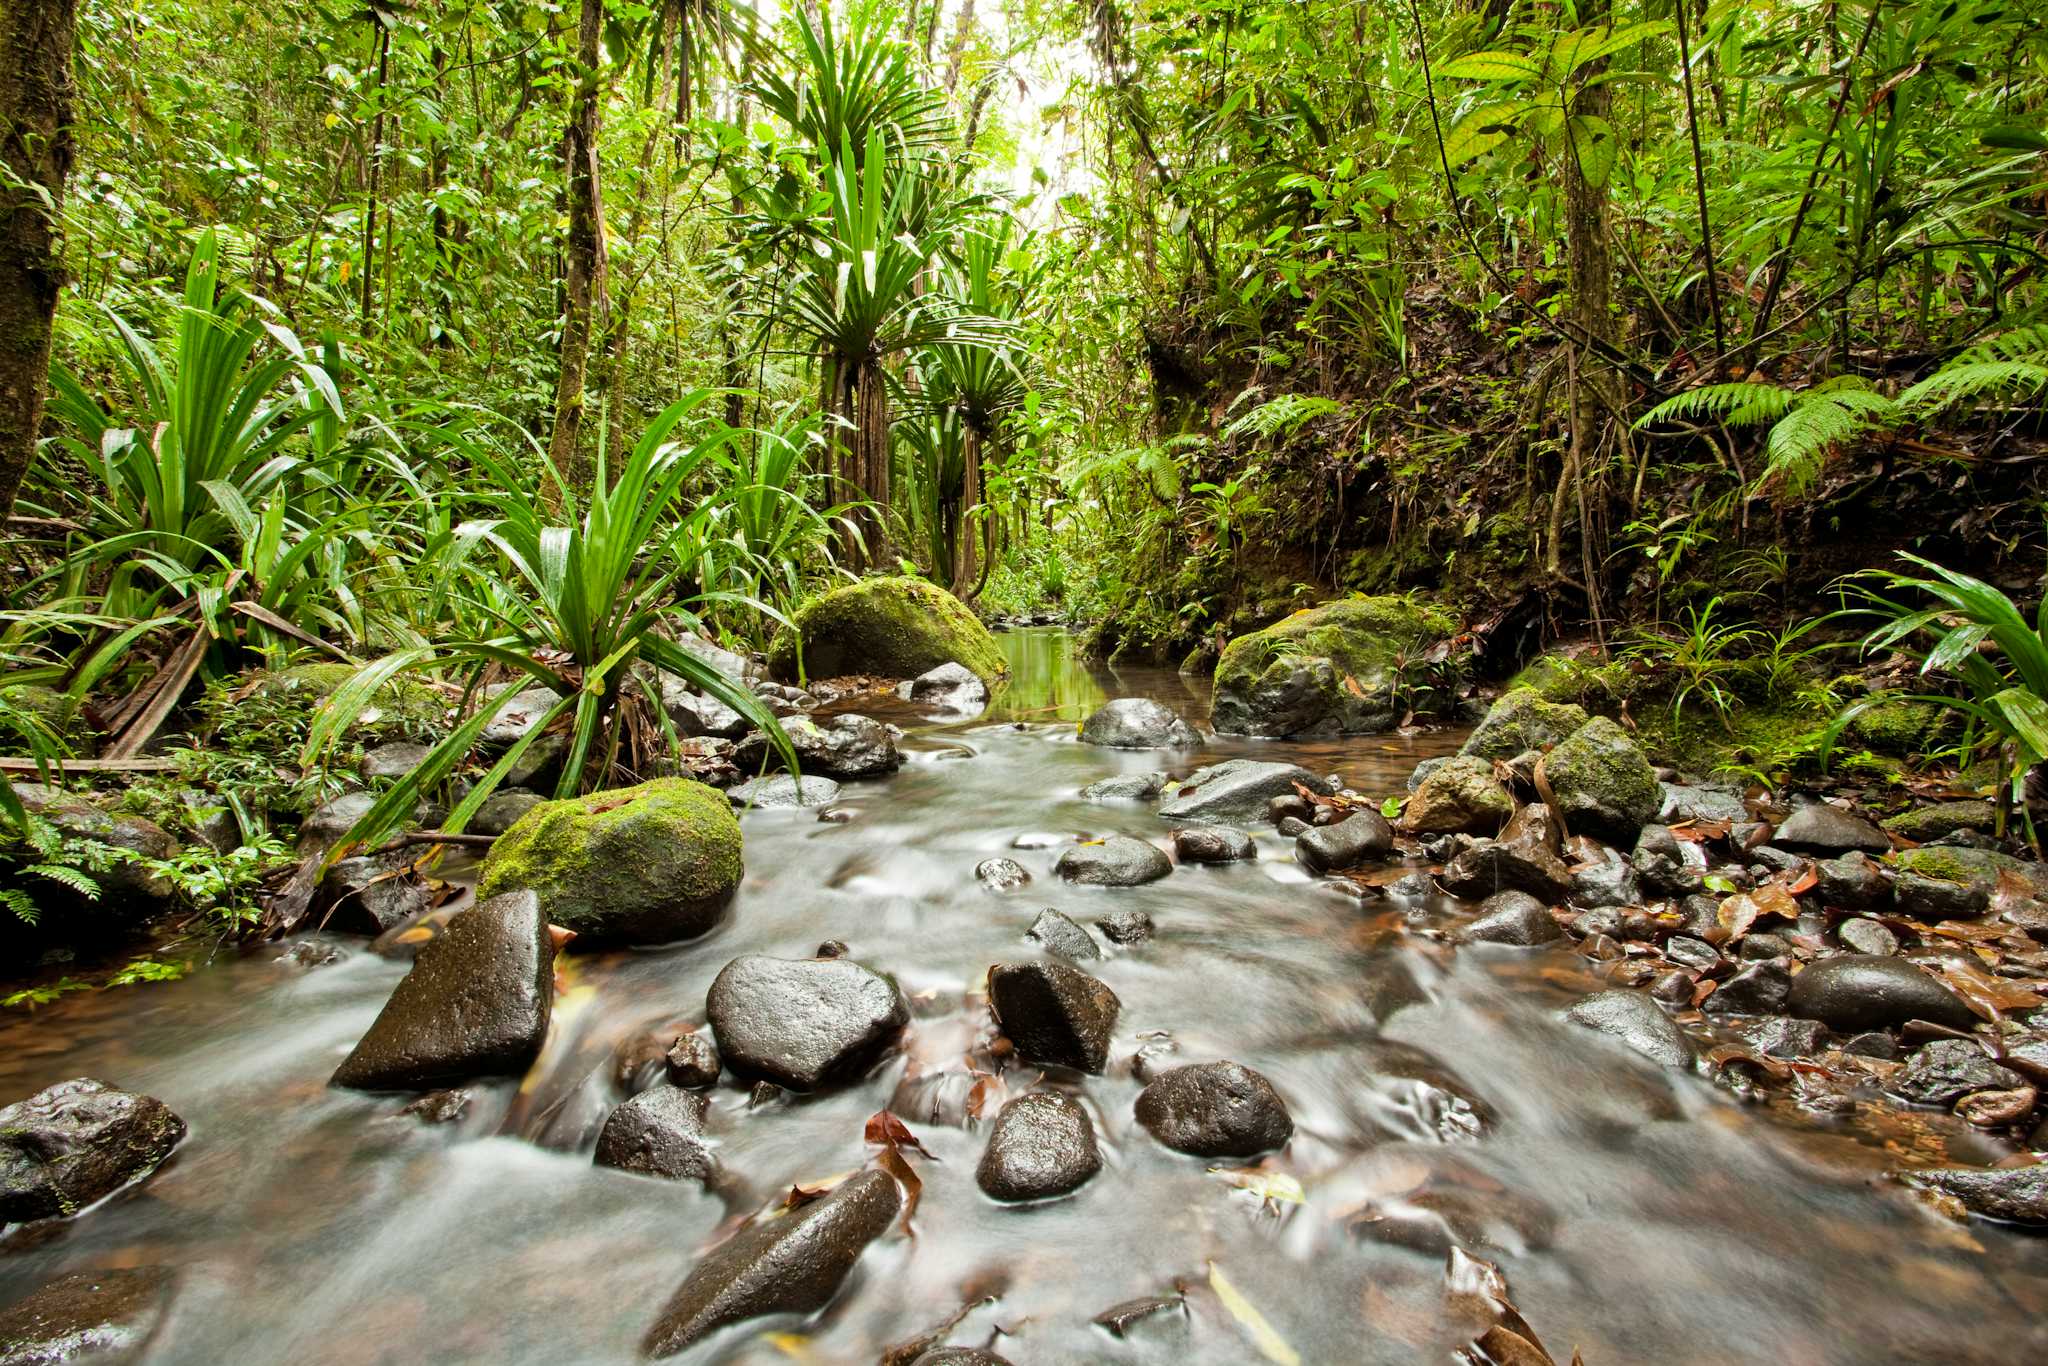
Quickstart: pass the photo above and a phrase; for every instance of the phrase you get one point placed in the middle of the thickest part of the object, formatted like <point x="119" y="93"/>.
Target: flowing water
<point x="1640" y="1215"/>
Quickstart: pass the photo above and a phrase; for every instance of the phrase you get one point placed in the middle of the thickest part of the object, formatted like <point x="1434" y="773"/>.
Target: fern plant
<point x="1807" y="425"/>
<point x="2012" y="365"/>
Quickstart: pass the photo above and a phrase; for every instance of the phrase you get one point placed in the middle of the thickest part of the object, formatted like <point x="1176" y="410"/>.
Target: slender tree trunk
<point x="36" y="42"/>
<point x="376" y="173"/>
<point x="966" y="560"/>
<point x="583" y="253"/>
<point x="860" y="449"/>
<point x="1590" y="254"/>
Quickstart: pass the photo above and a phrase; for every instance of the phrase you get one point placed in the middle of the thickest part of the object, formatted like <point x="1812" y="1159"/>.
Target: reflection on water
<point x="1639" y="1215"/>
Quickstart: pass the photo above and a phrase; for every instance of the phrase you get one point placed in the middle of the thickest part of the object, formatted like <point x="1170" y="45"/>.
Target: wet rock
<point x="1119" y="1319"/>
<point x="1605" y="884"/>
<point x="1853" y="882"/>
<point x="1138" y="723"/>
<point x="1943" y="1072"/>
<point x="1872" y="1045"/>
<point x="1293" y="804"/>
<point x="793" y="1264"/>
<point x="1359" y="838"/>
<point x="517" y="718"/>
<point x="782" y="792"/>
<point x="659" y="1132"/>
<point x="1416" y="777"/>
<point x="1867" y="937"/>
<point x="843" y="746"/>
<point x="1055" y="933"/>
<point x="1215" y="1109"/>
<point x="1126" y="787"/>
<point x="394" y="760"/>
<point x="1523" y="859"/>
<point x="1774" y="860"/>
<point x="1042" y="1145"/>
<point x="502" y="810"/>
<point x="803" y="1023"/>
<point x="311" y="953"/>
<point x="1759" y="989"/>
<point x="1955" y="863"/>
<point x="1131" y="926"/>
<point x="692" y="1063"/>
<point x="1666" y="864"/>
<point x="1332" y="670"/>
<point x="1926" y="823"/>
<point x="960" y="1356"/>
<point x="2012" y="1195"/>
<point x="1789" y="1038"/>
<point x="80" y="819"/>
<point x="1858" y="991"/>
<point x="438" y="1107"/>
<point x="1683" y="802"/>
<point x="1636" y="1021"/>
<point x="369" y="894"/>
<point x="1521" y="720"/>
<point x="832" y="948"/>
<point x="96" y="1315"/>
<point x="1001" y="874"/>
<point x="1235" y="790"/>
<point x="1673" y="988"/>
<point x="695" y="713"/>
<point x="1213" y="844"/>
<point x="1461" y="796"/>
<point x="952" y="686"/>
<point x="1602" y="783"/>
<point x="1996" y="1109"/>
<point x="1119" y="861"/>
<point x="1512" y="918"/>
<point x="895" y="627"/>
<point x="1054" y="1014"/>
<point x="1292" y="827"/>
<point x="1819" y="828"/>
<point x="475" y="1004"/>
<point x="650" y="864"/>
<point x="1689" y="952"/>
<point x="1933" y="899"/>
<point x="78" y="1142"/>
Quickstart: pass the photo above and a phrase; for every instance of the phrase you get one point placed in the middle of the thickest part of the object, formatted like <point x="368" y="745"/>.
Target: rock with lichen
<point x="1602" y="783"/>
<point x="1338" y="669"/>
<point x="1520" y="721"/>
<point x="891" y="627"/>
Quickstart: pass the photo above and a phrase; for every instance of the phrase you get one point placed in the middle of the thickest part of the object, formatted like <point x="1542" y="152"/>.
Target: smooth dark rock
<point x="475" y="1004"/>
<point x="1524" y="859"/>
<point x="2012" y="1195"/>
<point x="1120" y="1318"/>
<point x="1292" y="827"/>
<point x="1944" y="1071"/>
<point x="1293" y="804"/>
<point x="1853" y="882"/>
<point x="1358" y="838"/>
<point x="803" y="1023"/>
<point x="782" y="792"/>
<point x="793" y="1264"/>
<point x="960" y="1356"/>
<point x="1118" y="861"/>
<point x="1689" y="952"/>
<point x="1612" y="883"/>
<point x="1213" y="844"/>
<point x="1666" y="864"/>
<point x="1054" y="1014"/>
<point x="1215" y="1109"/>
<point x="78" y="1142"/>
<point x="1933" y="899"/>
<point x="844" y="746"/>
<point x="1138" y="723"/>
<point x="1819" y="828"/>
<point x="1001" y="874"/>
<point x="1055" y="933"/>
<point x="1875" y="1044"/>
<point x="1636" y="1021"/>
<point x="1129" y="926"/>
<point x="832" y="948"/>
<point x="1235" y="790"/>
<point x="692" y="1063"/>
<point x="1759" y="989"/>
<point x="369" y="894"/>
<point x="502" y="810"/>
<point x="88" y="1315"/>
<point x="1683" y="802"/>
<point x="1860" y="991"/>
<point x="659" y="1132"/>
<point x="1789" y="1038"/>
<point x="394" y="760"/>
<point x="1042" y="1145"/>
<point x="1126" y="787"/>
<point x="1514" y="918"/>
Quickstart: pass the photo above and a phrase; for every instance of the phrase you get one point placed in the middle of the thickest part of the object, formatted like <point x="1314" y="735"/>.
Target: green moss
<point x="1521" y="721"/>
<point x="637" y="864"/>
<point x="50" y="707"/>
<point x="1362" y="637"/>
<point x="1902" y="727"/>
<point x="1594" y="684"/>
<point x="893" y="627"/>
<point x="1969" y="866"/>
<point x="403" y="707"/>
<point x="1601" y="777"/>
<point x="1942" y="818"/>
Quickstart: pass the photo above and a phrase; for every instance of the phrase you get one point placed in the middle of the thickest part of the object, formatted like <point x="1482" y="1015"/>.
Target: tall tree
<point x="36" y="42"/>
<point x="583" y="281"/>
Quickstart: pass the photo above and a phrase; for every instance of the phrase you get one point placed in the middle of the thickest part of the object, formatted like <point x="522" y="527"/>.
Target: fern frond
<point x="1280" y="415"/>
<point x="1822" y="419"/>
<point x="1957" y="383"/>
<point x="78" y="882"/>
<point x="1740" y="404"/>
<point x="19" y="903"/>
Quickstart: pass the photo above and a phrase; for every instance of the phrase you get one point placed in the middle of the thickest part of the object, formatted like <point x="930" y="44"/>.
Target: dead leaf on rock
<point x="1476" y="1296"/>
<point x="1989" y="996"/>
<point x="886" y="1129"/>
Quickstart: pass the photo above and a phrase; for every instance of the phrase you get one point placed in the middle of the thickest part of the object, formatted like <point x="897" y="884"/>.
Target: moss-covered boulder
<point x="1521" y="721"/>
<point x="637" y="865"/>
<point x="1330" y="670"/>
<point x="52" y="710"/>
<point x="1459" y="797"/>
<point x="1942" y="819"/>
<point x="894" y="628"/>
<point x="1602" y="782"/>
<point x="1902" y="726"/>
<point x="405" y="706"/>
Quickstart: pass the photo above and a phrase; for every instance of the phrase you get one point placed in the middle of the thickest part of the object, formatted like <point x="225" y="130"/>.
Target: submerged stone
<point x="1636" y="1021"/>
<point x="1054" y="1014"/>
<point x="1119" y="861"/>
<point x="89" y="1315"/>
<point x="78" y="1142"/>
<point x="659" y="1132"/>
<point x="1235" y="790"/>
<point x="1138" y="723"/>
<point x="1056" y="933"/>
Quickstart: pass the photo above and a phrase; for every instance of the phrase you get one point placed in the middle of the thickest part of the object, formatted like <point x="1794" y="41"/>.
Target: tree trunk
<point x="36" y="42"/>
<point x="583" y="254"/>
<point x="376" y="174"/>
<point x="966" y="534"/>
<point x="1590" y="256"/>
<point x="860" y="447"/>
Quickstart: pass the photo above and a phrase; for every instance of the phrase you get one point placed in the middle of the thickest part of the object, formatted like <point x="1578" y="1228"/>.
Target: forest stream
<point x="1439" y="1100"/>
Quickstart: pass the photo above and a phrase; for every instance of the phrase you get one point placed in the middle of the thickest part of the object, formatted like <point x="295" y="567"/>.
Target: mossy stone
<point x="893" y="627"/>
<point x="1602" y="782"/>
<point x="403" y="706"/>
<point x="1330" y="670"/>
<point x="1943" y="818"/>
<point x="1902" y="727"/>
<point x="637" y="865"/>
<point x="1521" y="721"/>
<point x="52" y="708"/>
<point x="1970" y="867"/>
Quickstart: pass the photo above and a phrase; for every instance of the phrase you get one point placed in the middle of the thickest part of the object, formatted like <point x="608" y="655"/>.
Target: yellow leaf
<point x="345" y="271"/>
<point x="792" y="1345"/>
<point x="1270" y="1344"/>
<point x="1266" y="1185"/>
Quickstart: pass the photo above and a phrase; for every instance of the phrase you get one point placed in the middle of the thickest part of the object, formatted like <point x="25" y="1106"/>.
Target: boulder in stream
<point x="88" y="1315"/>
<point x="1126" y="787"/>
<point x="1215" y="1109"/>
<point x="1330" y="670"/>
<point x="1636" y="1021"/>
<point x="890" y="627"/>
<point x="1118" y="861"/>
<point x="793" y="1264"/>
<point x="1359" y="838"/>
<point x="1055" y="1014"/>
<point x="1513" y="918"/>
<point x="1042" y="1145"/>
<point x="1521" y="721"/>
<point x="1213" y="844"/>
<point x="659" y="1132"/>
<point x="952" y="686"/>
<point x="475" y="1004"/>
<point x="803" y="1023"/>
<point x="2011" y="1195"/>
<point x="1138" y="723"/>
<point x="1058" y="934"/>
<point x="1459" y="797"/>
<point x="1602" y="782"/>
<point x="78" y="1142"/>
<point x="784" y="792"/>
<point x="1823" y="828"/>
<point x="844" y="746"/>
<point x="1234" y="791"/>
<point x="650" y="864"/>
<point x="1855" y="992"/>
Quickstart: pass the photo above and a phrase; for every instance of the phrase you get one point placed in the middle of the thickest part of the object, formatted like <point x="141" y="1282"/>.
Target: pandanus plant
<point x="584" y="602"/>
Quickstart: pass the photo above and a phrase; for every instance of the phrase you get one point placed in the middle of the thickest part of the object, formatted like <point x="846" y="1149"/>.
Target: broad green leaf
<point x="1593" y="145"/>
<point x="1492" y="66"/>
